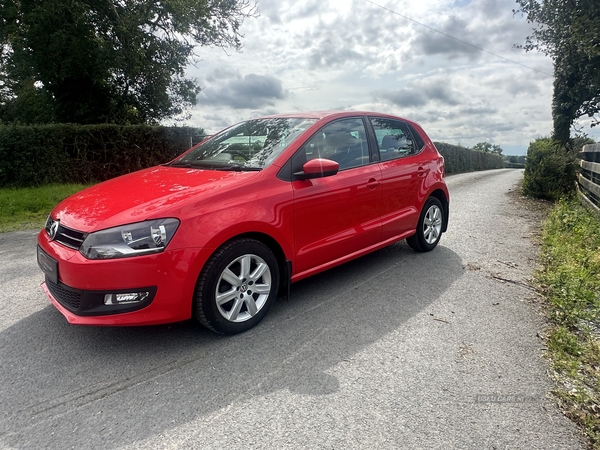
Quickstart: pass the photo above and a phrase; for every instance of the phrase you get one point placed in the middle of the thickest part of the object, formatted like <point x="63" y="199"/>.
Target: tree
<point x="487" y="148"/>
<point x="568" y="32"/>
<point x="107" y="61"/>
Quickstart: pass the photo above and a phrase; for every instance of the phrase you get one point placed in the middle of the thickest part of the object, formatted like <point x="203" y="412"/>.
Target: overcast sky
<point x="304" y="55"/>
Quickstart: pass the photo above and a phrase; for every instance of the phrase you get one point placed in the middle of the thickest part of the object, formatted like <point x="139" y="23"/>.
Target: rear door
<point x="403" y="171"/>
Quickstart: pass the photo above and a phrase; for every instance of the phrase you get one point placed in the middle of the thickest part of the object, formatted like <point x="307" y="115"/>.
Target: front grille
<point x="66" y="296"/>
<point x="66" y="236"/>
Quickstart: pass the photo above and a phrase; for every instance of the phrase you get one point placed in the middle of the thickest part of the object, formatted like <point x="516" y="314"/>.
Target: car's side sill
<point x="351" y="256"/>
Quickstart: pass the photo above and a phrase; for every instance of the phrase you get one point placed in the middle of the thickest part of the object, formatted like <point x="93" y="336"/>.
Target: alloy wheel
<point x="243" y="288"/>
<point x="432" y="224"/>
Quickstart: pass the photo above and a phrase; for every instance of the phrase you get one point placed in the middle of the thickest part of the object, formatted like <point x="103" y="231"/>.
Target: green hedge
<point x="550" y="170"/>
<point x="65" y="153"/>
<point x="459" y="159"/>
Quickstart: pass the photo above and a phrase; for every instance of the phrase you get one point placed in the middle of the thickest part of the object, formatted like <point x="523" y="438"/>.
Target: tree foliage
<point x="107" y="61"/>
<point x="486" y="147"/>
<point x="568" y="32"/>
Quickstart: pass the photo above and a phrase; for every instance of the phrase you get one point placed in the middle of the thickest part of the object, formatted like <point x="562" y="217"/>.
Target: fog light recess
<point x="125" y="298"/>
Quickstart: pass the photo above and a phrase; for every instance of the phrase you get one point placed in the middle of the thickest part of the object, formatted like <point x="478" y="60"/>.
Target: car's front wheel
<point x="236" y="287"/>
<point x="429" y="228"/>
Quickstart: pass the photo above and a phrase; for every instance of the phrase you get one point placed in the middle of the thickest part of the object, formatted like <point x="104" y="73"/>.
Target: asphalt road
<point x="395" y="350"/>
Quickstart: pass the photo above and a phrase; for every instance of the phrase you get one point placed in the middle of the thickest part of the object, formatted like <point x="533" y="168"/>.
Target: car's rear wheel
<point x="429" y="228"/>
<point x="236" y="287"/>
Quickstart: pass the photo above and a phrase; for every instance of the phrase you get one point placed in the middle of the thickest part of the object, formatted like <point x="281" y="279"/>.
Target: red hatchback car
<point x="223" y="229"/>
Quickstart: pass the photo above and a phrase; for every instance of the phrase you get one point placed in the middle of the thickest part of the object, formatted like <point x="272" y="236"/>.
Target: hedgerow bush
<point x="459" y="159"/>
<point x="37" y="155"/>
<point x="550" y="170"/>
<point x="65" y="153"/>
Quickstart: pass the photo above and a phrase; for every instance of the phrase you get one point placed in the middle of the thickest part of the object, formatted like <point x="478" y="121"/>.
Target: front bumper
<point x="92" y="303"/>
<point x="78" y="292"/>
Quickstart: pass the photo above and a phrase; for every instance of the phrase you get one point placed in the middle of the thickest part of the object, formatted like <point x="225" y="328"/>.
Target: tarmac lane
<point x="394" y="350"/>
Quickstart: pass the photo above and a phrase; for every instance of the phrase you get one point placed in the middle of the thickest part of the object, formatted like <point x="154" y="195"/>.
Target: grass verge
<point x="570" y="279"/>
<point x="28" y="208"/>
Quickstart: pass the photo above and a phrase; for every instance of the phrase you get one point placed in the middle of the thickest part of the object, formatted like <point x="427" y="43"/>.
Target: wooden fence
<point x="589" y="177"/>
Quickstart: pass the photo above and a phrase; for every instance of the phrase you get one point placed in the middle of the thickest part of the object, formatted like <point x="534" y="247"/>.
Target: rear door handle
<point x="421" y="172"/>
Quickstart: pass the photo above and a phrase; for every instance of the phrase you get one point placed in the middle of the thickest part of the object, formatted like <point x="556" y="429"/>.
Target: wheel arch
<point x="285" y="265"/>
<point x="442" y="197"/>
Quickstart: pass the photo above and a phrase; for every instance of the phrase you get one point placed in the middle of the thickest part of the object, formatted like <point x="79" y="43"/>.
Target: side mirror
<point x="317" y="168"/>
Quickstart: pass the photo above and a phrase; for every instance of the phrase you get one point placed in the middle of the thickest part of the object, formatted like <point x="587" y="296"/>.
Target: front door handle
<point x="373" y="183"/>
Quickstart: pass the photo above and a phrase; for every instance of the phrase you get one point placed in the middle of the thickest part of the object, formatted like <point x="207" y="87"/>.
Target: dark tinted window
<point x="343" y="141"/>
<point x="419" y="143"/>
<point x="394" y="138"/>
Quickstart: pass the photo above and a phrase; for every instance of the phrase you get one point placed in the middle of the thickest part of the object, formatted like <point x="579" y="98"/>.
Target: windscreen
<point x="250" y="145"/>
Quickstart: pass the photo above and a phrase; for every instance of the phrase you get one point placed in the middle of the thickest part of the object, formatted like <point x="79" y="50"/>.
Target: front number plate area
<point x="48" y="265"/>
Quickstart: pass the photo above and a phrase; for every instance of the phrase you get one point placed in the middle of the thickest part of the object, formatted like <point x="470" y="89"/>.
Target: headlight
<point x="135" y="239"/>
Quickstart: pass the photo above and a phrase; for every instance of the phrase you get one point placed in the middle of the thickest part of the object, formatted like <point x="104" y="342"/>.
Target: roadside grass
<point x="28" y="208"/>
<point x="570" y="281"/>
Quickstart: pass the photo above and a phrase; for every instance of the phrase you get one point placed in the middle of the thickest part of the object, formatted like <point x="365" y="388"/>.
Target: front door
<point x="338" y="215"/>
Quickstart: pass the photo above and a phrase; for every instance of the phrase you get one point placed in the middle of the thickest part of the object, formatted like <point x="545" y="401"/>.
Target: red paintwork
<point x="353" y="210"/>
<point x="142" y="195"/>
<point x="366" y="208"/>
<point x="320" y="166"/>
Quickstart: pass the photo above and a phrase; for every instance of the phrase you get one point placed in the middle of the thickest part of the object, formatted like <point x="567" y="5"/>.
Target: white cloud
<point x="319" y="54"/>
<point x="241" y="92"/>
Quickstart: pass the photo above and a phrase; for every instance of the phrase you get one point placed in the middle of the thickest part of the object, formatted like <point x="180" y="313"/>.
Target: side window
<point x="394" y="138"/>
<point x="343" y="141"/>
<point x="418" y="139"/>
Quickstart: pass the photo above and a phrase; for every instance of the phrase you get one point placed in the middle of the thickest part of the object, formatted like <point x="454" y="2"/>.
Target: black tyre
<point x="429" y="228"/>
<point x="236" y="287"/>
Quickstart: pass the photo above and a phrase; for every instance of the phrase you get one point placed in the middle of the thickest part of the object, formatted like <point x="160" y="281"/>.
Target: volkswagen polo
<point x="224" y="229"/>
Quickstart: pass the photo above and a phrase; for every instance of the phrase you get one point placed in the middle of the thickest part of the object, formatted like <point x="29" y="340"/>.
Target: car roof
<point x="331" y="114"/>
